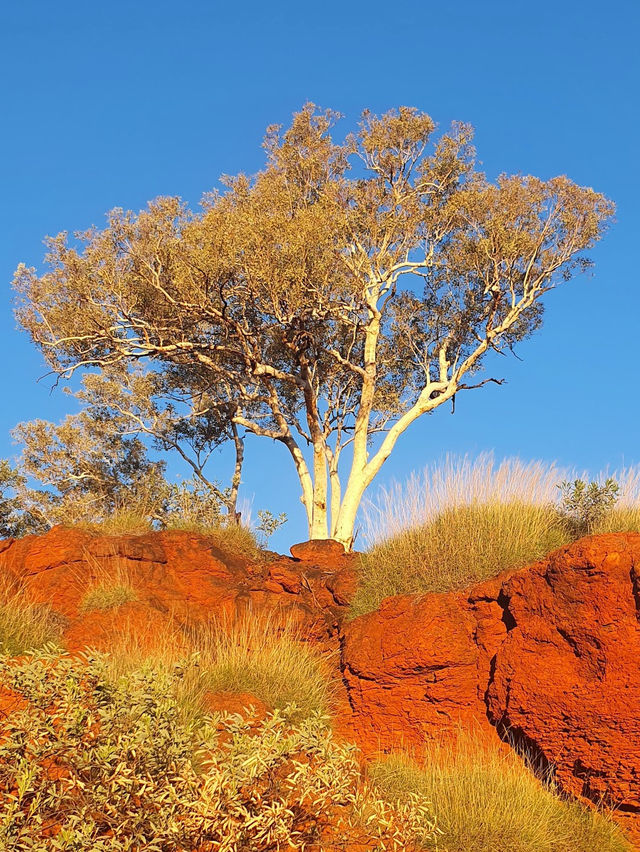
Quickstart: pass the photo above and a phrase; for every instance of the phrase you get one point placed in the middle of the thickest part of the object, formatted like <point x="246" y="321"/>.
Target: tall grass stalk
<point x="122" y="521"/>
<point x="458" y="482"/>
<point x="486" y="800"/>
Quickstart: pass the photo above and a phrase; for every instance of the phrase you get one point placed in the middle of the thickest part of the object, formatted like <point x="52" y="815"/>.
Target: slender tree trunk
<point x="361" y="476"/>
<point x="232" y="505"/>
<point x="319" y="523"/>
<point x="336" y="493"/>
<point x="346" y="519"/>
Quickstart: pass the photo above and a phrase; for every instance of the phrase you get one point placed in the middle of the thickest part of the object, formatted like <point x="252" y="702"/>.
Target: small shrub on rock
<point x="584" y="506"/>
<point x="89" y="764"/>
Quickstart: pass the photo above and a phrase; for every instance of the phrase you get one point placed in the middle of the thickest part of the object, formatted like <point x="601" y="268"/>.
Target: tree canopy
<point x="330" y="300"/>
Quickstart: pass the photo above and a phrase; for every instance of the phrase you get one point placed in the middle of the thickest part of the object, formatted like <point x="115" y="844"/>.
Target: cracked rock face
<point x="549" y="654"/>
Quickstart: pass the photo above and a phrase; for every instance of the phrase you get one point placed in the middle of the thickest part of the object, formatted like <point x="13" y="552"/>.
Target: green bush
<point x="585" y="506"/>
<point x="488" y="801"/>
<point x="109" y="767"/>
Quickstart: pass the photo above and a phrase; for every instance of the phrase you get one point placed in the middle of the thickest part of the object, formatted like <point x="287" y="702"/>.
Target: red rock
<point x="178" y="577"/>
<point x="549" y="653"/>
<point x="318" y="551"/>
<point x="567" y="676"/>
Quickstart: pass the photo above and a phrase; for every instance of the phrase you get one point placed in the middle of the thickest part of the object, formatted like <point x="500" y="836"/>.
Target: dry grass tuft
<point x="107" y="596"/>
<point x="24" y="625"/>
<point x="235" y="539"/>
<point x="486" y="800"/>
<point x="263" y="656"/>
<point x="123" y="521"/>
<point x="267" y="657"/>
<point x="107" y="587"/>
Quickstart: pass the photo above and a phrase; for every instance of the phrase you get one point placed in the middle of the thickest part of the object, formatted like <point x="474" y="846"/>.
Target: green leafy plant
<point x="585" y="505"/>
<point x="89" y="764"/>
<point x="269" y="523"/>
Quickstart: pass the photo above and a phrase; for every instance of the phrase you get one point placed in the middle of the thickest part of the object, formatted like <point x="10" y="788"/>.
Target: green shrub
<point x="584" y="506"/>
<point x="488" y="801"/>
<point x="459" y="546"/>
<point x="114" y="767"/>
<point x="25" y="626"/>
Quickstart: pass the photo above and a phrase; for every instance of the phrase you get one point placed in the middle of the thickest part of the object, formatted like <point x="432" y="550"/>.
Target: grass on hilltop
<point x="233" y="538"/>
<point x="487" y="800"/>
<point x="467" y="521"/>
<point x="122" y="521"/>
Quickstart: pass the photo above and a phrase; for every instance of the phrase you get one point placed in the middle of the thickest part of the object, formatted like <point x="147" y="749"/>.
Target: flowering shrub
<point x="89" y="764"/>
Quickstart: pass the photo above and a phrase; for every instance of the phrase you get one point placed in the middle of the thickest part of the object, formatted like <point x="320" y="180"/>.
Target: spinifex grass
<point x="465" y="521"/>
<point x="233" y="538"/>
<point x="487" y="800"/>
<point x="107" y="587"/>
<point x="24" y="625"/>
<point x="260" y="655"/>
<point x="266" y="657"/>
<point x="122" y="521"/>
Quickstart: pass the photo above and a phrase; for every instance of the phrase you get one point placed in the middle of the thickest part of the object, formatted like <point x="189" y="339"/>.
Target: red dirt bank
<point x="550" y="653"/>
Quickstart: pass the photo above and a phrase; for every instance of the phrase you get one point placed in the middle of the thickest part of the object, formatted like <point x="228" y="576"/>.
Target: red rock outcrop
<point x="549" y="655"/>
<point x="178" y="574"/>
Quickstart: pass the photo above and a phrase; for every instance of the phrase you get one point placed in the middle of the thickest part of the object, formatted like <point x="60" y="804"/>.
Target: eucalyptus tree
<point x="82" y="471"/>
<point x="329" y="301"/>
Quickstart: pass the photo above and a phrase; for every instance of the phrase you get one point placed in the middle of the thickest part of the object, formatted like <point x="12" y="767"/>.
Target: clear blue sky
<point x="115" y="103"/>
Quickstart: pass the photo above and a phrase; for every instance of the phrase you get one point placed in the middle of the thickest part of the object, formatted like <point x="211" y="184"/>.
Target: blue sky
<point x="113" y="104"/>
